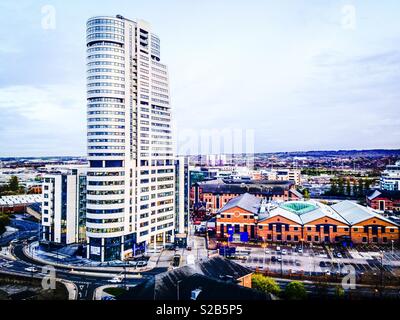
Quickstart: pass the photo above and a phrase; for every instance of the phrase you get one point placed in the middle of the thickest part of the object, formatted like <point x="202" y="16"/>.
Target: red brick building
<point x="248" y="216"/>
<point x="384" y="200"/>
<point x="216" y="193"/>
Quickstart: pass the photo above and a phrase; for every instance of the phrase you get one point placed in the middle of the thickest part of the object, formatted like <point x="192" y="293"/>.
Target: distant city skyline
<point x="299" y="75"/>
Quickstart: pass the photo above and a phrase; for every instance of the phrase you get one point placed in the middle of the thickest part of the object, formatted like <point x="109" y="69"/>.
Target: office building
<point x="130" y="179"/>
<point x="390" y="178"/>
<point x="63" y="207"/>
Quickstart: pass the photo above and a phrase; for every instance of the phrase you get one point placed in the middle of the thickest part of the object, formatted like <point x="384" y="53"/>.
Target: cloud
<point x="48" y="120"/>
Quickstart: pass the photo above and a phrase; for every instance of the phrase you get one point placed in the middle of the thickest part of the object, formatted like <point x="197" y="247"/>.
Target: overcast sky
<point x="297" y="75"/>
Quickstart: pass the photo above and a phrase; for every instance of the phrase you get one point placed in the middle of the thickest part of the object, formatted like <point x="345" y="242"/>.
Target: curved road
<point x="86" y="284"/>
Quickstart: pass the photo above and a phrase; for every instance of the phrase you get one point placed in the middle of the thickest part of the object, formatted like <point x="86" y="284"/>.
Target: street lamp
<point x="177" y="288"/>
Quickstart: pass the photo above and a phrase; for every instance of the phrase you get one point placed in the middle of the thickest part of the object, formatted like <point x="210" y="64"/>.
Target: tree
<point x="306" y="194"/>
<point x="334" y="190"/>
<point x="341" y="186"/>
<point x="295" y="291"/>
<point x="348" y="187"/>
<point x="13" y="184"/>
<point x="360" y="187"/>
<point x="4" y="220"/>
<point x="265" y="284"/>
<point x="339" y="292"/>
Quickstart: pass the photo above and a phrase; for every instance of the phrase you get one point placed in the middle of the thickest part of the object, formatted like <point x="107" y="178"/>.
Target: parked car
<point x="298" y="263"/>
<point x="273" y="259"/>
<point x="267" y="251"/>
<point x="279" y="259"/>
<point x="299" y="250"/>
<point x="284" y="251"/>
<point x="278" y="248"/>
<point x="189" y="248"/>
<point x="338" y="255"/>
<point x="322" y="264"/>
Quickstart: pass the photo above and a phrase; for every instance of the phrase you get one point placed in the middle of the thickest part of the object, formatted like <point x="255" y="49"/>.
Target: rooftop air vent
<point x="195" y="294"/>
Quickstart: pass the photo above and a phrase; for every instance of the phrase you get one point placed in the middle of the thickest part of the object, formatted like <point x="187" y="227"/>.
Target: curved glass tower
<point x="130" y="180"/>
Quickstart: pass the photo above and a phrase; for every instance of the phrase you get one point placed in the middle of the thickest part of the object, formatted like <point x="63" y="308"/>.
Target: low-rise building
<point x="216" y="193"/>
<point x="250" y="217"/>
<point x="384" y="200"/>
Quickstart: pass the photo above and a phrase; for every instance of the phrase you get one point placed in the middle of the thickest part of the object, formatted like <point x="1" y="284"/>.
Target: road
<point x="85" y="283"/>
<point x="26" y="229"/>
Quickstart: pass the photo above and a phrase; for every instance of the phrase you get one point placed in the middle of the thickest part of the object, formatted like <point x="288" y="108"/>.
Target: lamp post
<point x="177" y="288"/>
<point x="381" y="286"/>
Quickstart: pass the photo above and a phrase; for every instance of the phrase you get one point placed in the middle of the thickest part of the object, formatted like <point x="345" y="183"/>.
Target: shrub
<point x="265" y="284"/>
<point x="295" y="291"/>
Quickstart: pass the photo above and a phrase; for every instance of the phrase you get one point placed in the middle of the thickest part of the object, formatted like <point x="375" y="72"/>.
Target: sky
<point x="268" y="76"/>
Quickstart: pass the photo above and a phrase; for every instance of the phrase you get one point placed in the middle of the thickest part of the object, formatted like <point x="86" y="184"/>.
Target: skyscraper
<point x="130" y="179"/>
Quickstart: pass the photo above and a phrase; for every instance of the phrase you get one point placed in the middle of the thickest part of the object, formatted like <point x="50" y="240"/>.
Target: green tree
<point x="13" y="184"/>
<point x="334" y="190"/>
<point x="265" y="284"/>
<point x="295" y="291"/>
<point x="306" y="194"/>
<point x="348" y="187"/>
<point x="341" y="186"/>
<point x="360" y="187"/>
<point x="339" y="292"/>
<point x="367" y="184"/>
<point x="4" y="221"/>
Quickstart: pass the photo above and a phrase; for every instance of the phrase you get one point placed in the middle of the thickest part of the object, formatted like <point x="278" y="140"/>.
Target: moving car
<point x="338" y="255"/>
<point x="31" y="269"/>
<point x="115" y="280"/>
<point x="141" y="264"/>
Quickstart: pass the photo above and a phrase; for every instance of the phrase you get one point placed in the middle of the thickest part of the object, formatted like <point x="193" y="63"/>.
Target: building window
<point x="364" y="239"/>
<point x="308" y="238"/>
<point x="289" y="238"/>
<point x="296" y="238"/>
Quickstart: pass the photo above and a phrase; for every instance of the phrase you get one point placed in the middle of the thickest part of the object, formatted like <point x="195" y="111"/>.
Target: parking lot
<point x="317" y="260"/>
